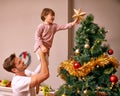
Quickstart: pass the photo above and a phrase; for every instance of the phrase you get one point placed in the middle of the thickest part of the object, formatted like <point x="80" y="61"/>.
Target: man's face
<point x="20" y="66"/>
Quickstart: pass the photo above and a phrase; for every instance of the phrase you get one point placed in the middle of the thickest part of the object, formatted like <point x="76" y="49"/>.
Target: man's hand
<point x="37" y="89"/>
<point x="44" y="49"/>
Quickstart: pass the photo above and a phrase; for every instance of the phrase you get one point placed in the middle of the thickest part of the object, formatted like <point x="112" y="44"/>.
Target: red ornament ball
<point x="110" y="51"/>
<point x="113" y="79"/>
<point x="76" y="65"/>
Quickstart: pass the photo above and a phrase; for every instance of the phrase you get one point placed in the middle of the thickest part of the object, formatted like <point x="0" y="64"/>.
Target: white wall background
<point x="19" y="19"/>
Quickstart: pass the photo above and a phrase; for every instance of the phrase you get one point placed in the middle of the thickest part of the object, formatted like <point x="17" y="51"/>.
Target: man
<point x="22" y="84"/>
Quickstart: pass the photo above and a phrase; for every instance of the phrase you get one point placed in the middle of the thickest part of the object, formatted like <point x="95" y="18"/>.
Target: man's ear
<point x="14" y="70"/>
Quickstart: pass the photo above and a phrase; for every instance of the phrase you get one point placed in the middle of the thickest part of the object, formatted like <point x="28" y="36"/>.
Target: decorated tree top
<point x="90" y="40"/>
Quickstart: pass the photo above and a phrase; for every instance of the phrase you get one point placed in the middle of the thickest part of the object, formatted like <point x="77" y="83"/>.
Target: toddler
<point x="45" y="31"/>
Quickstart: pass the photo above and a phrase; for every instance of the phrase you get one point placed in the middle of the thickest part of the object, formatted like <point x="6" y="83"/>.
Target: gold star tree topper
<point x="78" y="14"/>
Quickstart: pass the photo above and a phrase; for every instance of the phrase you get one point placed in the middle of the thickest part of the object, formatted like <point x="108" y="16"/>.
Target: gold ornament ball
<point x="87" y="46"/>
<point x="63" y="95"/>
<point x="98" y="88"/>
<point x="111" y="87"/>
<point x="78" y="91"/>
<point x="85" y="91"/>
<point x="97" y="66"/>
<point x="77" y="51"/>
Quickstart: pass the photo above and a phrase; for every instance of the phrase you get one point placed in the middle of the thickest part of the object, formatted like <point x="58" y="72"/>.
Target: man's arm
<point x="44" y="72"/>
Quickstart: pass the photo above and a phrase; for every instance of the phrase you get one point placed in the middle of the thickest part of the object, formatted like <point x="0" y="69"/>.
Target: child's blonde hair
<point x="45" y="12"/>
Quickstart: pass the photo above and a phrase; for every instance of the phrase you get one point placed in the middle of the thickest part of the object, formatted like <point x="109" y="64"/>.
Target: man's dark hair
<point x="9" y="63"/>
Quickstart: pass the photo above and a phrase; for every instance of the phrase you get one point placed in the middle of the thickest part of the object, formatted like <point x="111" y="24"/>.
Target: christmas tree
<point x="91" y="69"/>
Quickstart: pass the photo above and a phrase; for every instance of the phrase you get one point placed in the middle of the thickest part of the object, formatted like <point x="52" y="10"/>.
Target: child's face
<point x="49" y="18"/>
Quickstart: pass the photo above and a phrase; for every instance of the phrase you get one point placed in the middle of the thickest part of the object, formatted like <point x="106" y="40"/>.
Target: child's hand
<point x="44" y="49"/>
<point x="76" y="21"/>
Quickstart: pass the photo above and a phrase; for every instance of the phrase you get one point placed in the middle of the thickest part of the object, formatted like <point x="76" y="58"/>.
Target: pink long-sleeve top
<point x="45" y="33"/>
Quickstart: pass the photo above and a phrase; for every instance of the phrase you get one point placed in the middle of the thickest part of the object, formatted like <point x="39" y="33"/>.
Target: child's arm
<point x="38" y="37"/>
<point x="67" y="26"/>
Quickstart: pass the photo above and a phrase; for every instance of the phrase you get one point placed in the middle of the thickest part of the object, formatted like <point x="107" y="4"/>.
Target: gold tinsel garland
<point x="87" y="67"/>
